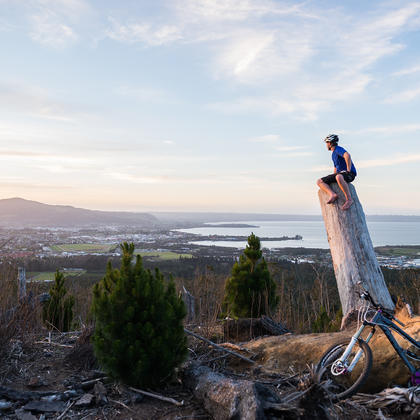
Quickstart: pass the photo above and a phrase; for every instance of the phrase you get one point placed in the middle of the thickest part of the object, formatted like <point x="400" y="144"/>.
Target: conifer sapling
<point x="250" y="291"/>
<point x="57" y="311"/>
<point x="139" y="336"/>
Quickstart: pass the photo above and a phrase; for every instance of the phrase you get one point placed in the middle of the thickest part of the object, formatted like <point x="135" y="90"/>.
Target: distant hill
<point x="16" y="212"/>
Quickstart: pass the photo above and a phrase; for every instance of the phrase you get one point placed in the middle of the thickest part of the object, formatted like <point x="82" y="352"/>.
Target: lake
<point x="313" y="233"/>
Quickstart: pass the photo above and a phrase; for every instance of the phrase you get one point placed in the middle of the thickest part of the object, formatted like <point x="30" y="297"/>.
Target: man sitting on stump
<point x="344" y="172"/>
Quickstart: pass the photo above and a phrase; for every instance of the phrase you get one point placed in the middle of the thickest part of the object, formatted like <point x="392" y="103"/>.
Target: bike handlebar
<point x="366" y="296"/>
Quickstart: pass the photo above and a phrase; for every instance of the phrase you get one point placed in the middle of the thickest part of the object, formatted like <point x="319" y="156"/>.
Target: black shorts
<point x="348" y="177"/>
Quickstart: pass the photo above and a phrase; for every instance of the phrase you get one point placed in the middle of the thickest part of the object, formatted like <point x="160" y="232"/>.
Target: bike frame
<point x="386" y="326"/>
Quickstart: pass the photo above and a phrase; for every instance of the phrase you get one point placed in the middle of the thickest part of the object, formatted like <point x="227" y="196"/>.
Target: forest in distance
<point x="307" y="291"/>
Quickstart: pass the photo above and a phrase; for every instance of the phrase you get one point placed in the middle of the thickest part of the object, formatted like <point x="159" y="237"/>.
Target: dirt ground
<point x="53" y="376"/>
<point x="58" y="367"/>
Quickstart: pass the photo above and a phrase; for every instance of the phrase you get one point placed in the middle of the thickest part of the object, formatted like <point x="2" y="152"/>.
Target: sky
<point x="208" y="105"/>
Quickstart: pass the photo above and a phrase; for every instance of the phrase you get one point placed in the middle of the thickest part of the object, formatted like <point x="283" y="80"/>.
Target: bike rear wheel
<point x="342" y="383"/>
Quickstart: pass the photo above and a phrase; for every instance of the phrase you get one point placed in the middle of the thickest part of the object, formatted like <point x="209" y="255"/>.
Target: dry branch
<point x="157" y="396"/>
<point x="122" y="405"/>
<point x="217" y="346"/>
<point x="390" y="396"/>
<point x="54" y="344"/>
<point x="65" y="411"/>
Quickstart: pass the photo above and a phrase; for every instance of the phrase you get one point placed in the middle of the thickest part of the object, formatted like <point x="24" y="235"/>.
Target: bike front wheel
<point x="343" y="379"/>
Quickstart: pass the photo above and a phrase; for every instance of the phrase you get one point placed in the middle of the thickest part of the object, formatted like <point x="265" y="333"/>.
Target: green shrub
<point x="139" y="336"/>
<point x="250" y="291"/>
<point x="58" y="310"/>
<point x="323" y="323"/>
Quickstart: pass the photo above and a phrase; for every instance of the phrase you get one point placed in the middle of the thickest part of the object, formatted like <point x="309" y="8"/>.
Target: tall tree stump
<point x="352" y="253"/>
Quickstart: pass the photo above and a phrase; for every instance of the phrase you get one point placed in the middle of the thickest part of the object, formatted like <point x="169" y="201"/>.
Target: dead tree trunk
<point x="22" y="282"/>
<point x="352" y="253"/>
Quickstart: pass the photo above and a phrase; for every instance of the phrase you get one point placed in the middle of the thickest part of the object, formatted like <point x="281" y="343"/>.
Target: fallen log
<point x="278" y="354"/>
<point x="223" y="397"/>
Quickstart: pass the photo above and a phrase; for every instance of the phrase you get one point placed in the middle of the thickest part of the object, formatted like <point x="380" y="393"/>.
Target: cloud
<point x="49" y="31"/>
<point x="6" y="26"/>
<point x="304" y="92"/>
<point x="207" y="178"/>
<point x="387" y="129"/>
<point x="55" y="23"/>
<point x="268" y="138"/>
<point x="390" y="161"/>
<point x="15" y="184"/>
<point x="407" y="71"/>
<point x="371" y="163"/>
<point x="37" y="102"/>
<point x="259" y="56"/>
<point x="372" y="38"/>
<point x="236" y="10"/>
<point x="50" y="161"/>
<point x="20" y="153"/>
<point x="404" y="96"/>
<point x="266" y="104"/>
<point x="278" y="145"/>
<point x="145" y="94"/>
<point x="293" y="148"/>
<point x="135" y="179"/>
<point x="278" y="47"/>
<point x="31" y="100"/>
<point x="147" y="33"/>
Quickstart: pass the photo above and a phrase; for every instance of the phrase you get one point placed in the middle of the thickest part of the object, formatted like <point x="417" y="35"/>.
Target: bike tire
<point x="348" y="383"/>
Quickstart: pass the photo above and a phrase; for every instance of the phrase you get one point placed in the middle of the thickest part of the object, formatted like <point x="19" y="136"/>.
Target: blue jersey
<point x="340" y="162"/>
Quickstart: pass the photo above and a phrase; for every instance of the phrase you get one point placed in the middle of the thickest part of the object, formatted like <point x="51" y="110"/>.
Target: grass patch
<point x="164" y="255"/>
<point x="97" y="248"/>
<point x="399" y="251"/>
<point x="46" y="276"/>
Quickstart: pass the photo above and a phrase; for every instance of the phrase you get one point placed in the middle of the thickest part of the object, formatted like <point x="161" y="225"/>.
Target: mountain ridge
<point x="18" y="211"/>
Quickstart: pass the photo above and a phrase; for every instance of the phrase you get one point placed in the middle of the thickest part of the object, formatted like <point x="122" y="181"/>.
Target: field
<point x="47" y="276"/>
<point x="97" y="248"/>
<point x="399" y="251"/>
<point x="165" y="255"/>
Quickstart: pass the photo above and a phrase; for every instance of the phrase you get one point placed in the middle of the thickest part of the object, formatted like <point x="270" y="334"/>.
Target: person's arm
<point x="335" y="170"/>
<point x="347" y="158"/>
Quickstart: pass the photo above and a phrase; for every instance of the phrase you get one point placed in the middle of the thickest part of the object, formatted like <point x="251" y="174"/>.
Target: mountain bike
<point x="347" y="364"/>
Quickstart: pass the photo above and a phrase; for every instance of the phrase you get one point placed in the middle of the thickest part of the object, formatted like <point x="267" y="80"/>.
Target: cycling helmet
<point x="331" y="138"/>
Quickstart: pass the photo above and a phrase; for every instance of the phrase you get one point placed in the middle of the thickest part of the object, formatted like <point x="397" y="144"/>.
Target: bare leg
<point x="325" y="187"/>
<point x="345" y="188"/>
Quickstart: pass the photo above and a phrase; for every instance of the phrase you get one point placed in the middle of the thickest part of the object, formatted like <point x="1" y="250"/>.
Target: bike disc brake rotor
<point x="338" y="368"/>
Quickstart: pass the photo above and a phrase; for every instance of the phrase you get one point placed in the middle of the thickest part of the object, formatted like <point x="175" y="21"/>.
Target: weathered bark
<point x="352" y="253"/>
<point x="225" y="398"/>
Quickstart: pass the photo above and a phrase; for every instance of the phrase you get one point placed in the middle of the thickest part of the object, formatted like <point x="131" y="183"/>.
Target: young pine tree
<point x="250" y="291"/>
<point x="139" y="336"/>
<point x="58" y="310"/>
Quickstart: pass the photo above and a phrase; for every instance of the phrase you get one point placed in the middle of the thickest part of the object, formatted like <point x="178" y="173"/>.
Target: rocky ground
<point x="53" y="376"/>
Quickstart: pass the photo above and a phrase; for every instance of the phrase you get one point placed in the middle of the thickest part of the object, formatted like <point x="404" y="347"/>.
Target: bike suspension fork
<point x="360" y="352"/>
